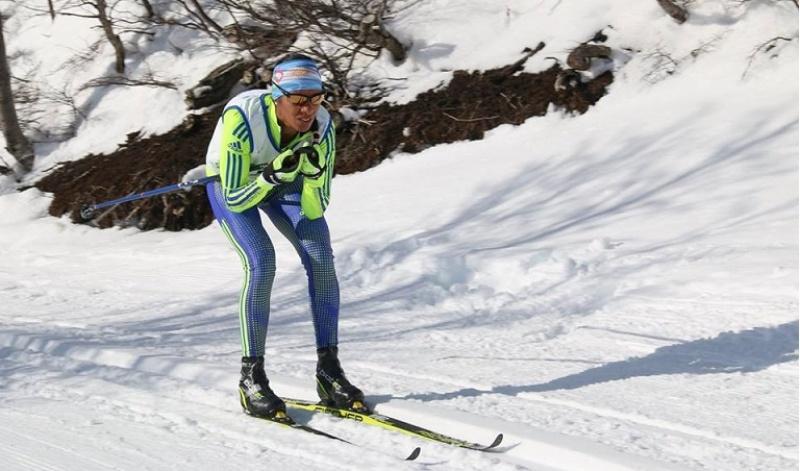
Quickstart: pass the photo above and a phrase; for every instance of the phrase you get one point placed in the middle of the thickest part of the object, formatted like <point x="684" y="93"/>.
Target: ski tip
<point x="414" y="454"/>
<point x="497" y="440"/>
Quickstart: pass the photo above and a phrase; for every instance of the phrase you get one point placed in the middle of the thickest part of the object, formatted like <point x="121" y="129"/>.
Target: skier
<point x="290" y="135"/>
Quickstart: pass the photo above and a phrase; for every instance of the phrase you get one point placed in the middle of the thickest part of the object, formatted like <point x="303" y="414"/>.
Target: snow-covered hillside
<point x="616" y="290"/>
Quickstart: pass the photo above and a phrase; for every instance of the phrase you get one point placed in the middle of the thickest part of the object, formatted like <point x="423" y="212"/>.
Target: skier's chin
<point x="304" y="125"/>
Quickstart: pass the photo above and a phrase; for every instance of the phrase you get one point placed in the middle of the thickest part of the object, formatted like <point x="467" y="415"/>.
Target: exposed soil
<point x="469" y="105"/>
<point x="138" y="165"/>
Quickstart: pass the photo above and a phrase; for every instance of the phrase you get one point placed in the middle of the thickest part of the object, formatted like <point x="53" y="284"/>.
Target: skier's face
<point x="298" y="117"/>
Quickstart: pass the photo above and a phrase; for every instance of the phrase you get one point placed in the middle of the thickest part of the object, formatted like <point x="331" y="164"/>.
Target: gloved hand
<point x="284" y="168"/>
<point x="314" y="163"/>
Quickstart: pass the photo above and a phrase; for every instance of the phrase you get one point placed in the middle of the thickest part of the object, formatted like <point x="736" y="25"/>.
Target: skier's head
<point x="297" y="91"/>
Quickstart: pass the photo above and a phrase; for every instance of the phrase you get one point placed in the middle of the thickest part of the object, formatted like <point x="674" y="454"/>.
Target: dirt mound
<point x="471" y="104"/>
<point x="139" y="165"/>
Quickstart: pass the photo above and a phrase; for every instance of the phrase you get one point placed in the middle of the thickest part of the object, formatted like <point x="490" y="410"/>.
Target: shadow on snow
<point x="747" y="351"/>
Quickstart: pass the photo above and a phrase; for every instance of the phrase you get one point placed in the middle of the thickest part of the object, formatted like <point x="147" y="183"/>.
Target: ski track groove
<point x="209" y="425"/>
<point x="135" y="411"/>
<point x="21" y="458"/>
<point x="666" y="425"/>
<point x="51" y="347"/>
<point x="663" y="425"/>
<point x="38" y="464"/>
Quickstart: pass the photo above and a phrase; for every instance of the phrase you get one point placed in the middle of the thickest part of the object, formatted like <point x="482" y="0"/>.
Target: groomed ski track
<point x="159" y="412"/>
<point x="612" y="290"/>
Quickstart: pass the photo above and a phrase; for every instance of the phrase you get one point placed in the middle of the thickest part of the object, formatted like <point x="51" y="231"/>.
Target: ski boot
<point x="333" y="388"/>
<point x="255" y="395"/>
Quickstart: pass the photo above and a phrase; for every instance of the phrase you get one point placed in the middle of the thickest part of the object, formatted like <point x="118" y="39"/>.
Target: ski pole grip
<point x="86" y="212"/>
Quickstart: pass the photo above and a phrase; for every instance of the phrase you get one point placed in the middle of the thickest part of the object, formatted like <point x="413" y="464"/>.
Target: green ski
<point x="287" y="421"/>
<point x="391" y="423"/>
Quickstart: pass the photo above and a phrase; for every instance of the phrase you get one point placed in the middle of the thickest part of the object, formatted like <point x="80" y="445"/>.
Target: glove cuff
<point x="263" y="183"/>
<point x="270" y="179"/>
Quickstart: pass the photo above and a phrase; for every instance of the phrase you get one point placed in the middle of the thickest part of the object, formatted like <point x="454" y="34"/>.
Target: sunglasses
<point x="297" y="99"/>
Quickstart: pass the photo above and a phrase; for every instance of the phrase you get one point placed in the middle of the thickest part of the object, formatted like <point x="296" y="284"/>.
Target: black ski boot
<point x="256" y="396"/>
<point x="333" y="387"/>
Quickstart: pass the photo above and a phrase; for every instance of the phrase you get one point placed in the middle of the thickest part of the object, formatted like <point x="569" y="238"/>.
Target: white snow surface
<point x="612" y="291"/>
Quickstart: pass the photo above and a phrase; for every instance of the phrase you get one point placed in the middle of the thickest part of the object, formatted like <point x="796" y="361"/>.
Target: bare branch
<point x="469" y="120"/>
<point x="340" y="31"/>
<point x="100" y="11"/>
<point x="766" y="46"/>
<point x="147" y="81"/>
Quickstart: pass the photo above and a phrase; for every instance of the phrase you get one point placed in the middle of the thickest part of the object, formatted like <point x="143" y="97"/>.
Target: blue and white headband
<point x="295" y="75"/>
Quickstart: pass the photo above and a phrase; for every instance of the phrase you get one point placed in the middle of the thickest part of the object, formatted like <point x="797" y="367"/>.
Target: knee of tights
<point x="263" y="269"/>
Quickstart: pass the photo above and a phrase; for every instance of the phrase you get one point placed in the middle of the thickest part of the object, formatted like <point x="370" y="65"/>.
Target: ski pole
<point x="88" y="211"/>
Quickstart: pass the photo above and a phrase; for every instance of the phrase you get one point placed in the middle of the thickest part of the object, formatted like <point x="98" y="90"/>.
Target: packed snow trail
<point x="111" y="398"/>
<point x="616" y="290"/>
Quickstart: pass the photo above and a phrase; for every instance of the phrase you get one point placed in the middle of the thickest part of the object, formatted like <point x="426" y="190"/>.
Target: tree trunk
<point x="17" y="144"/>
<point x="393" y="45"/>
<point x="113" y="38"/>
<point x="374" y="34"/>
<point x="52" y="9"/>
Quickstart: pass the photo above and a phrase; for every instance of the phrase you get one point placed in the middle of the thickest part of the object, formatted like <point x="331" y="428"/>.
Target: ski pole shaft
<point x="88" y="211"/>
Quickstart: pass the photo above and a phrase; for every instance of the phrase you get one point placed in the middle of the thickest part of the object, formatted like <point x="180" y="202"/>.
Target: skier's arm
<point x="234" y="166"/>
<point x="317" y="191"/>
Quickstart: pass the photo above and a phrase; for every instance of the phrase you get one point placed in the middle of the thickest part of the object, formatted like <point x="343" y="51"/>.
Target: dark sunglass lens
<point x="302" y="99"/>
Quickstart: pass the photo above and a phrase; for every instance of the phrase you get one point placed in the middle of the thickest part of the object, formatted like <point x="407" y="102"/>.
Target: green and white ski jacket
<point x="248" y="137"/>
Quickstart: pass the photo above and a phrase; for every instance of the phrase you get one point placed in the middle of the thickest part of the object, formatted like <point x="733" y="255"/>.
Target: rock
<point x="216" y="86"/>
<point x="679" y="13"/>
<point x="581" y="57"/>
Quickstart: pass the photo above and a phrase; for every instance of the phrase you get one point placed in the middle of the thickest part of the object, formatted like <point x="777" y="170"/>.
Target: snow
<point x="616" y="290"/>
